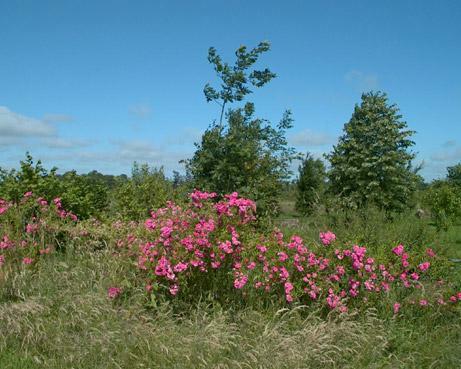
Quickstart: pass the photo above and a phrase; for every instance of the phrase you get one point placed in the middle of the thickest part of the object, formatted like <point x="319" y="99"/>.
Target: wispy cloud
<point x="362" y="81"/>
<point x="141" y="111"/>
<point x="14" y="125"/>
<point x="452" y="155"/>
<point x="57" y="118"/>
<point x="66" y="143"/>
<point x="185" y="136"/>
<point x="449" y="143"/>
<point x="309" y="138"/>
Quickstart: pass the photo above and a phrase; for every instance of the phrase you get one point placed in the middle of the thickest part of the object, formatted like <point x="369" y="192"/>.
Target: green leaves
<point x="311" y="184"/>
<point x="371" y="162"/>
<point x="235" y="81"/>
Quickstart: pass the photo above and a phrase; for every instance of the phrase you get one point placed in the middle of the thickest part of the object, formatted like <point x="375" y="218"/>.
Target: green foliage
<point x="444" y="201"/>
<point x="85" y="196"/>
<point x="236" y="80"/>
<point x="30" y="177"/>
<point x="250" y="157"/>
<point x="147" y="189"/>
<point x="310" y="184"/>
<point x="454" y="174"/>
<point x="371" y="162"/>
<point x="248" y="154"/>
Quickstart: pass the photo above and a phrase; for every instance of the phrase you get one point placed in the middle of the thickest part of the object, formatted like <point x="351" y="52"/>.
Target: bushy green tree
<point x="311" y="184"/>
<point x="84" y="196"/>
<point x="371" y="164"/>
<point x="31" y="176"/>
<point x="454" y="174"/>
<point x="247" y="154"/>
<point x="147" y="189"/>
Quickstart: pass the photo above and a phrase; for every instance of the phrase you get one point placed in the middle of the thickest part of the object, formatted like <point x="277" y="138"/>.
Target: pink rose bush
<point x="29" y="228"/>
<point x="213" y="246"/>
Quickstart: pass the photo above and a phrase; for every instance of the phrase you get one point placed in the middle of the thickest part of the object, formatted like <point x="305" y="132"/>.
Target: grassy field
<point x="63" y="319"/>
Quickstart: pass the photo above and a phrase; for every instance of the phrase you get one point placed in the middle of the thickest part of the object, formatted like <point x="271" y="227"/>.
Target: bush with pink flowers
<point x="31" y="229"/>
<point x="213" y="247"/>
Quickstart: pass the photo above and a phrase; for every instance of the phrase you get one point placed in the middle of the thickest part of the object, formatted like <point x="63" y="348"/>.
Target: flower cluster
<point x="28" y="228"/>
<point x="183" y="249"/>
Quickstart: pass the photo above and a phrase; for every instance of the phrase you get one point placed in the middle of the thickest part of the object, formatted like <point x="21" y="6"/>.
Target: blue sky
<point x="98" y="84"/>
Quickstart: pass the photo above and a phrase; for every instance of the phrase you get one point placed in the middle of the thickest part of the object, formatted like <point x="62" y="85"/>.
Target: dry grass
<point x="60" y="317"/>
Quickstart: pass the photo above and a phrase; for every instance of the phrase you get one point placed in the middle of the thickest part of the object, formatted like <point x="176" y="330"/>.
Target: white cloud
<point x="14" y="125"/>
<point x="308" y="138"/>
<point x="362" y="81"/>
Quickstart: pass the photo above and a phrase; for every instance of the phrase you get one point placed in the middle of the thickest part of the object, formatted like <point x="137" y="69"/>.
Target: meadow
<point x="204" y="284"/>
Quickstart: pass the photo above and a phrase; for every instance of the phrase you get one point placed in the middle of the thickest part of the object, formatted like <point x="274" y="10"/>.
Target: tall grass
<point x="60" y="317"/>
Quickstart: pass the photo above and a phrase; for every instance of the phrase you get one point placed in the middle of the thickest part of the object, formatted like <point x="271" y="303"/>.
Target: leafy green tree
<point x="146" y="190"/>
<point x="31" y="176"/>
<point x="454" y="174"/>
<point x="444" y="201"/>
<point x="247" y="154"/>
<point x="311" y="184"/>
<point x="371" y="164"/>
<point x="84" y="196"/>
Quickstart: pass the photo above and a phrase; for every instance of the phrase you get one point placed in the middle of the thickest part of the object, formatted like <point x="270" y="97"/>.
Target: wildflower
<point x="423" y="302"/>
<point x="396" y="308"/>
<point x="430" y="253"/>
<point x="424" y="266"/>
<point x="28" y="194"/>
<point x="398" y="250"/>
<point x="174" y="289"/>
<point x="113" y="292"/>
<point x="27" y="261"/>
<point x="282" y="256"/>
<point x="241" y="281"/>
<point x="327" y="237"/>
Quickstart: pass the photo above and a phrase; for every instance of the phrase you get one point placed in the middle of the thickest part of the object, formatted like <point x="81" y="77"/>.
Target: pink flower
<point x="398" y="250"/>
<point x="174" y="289"/>
<point x="113" y="292"/>
<point x="423" y="302"/>
<point x="396" y="308"/>
<point x="28" y="194"/>
<point x="282" y="256"/>
<point x="180" y="267"/>
<point x="27" y="261"/>
<point x="251" y="265"/>
<point x="327" y="237"/>
<point x="241" y="281"/>
<point x="424" y="266"/>
<point x="430" y="253"/>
